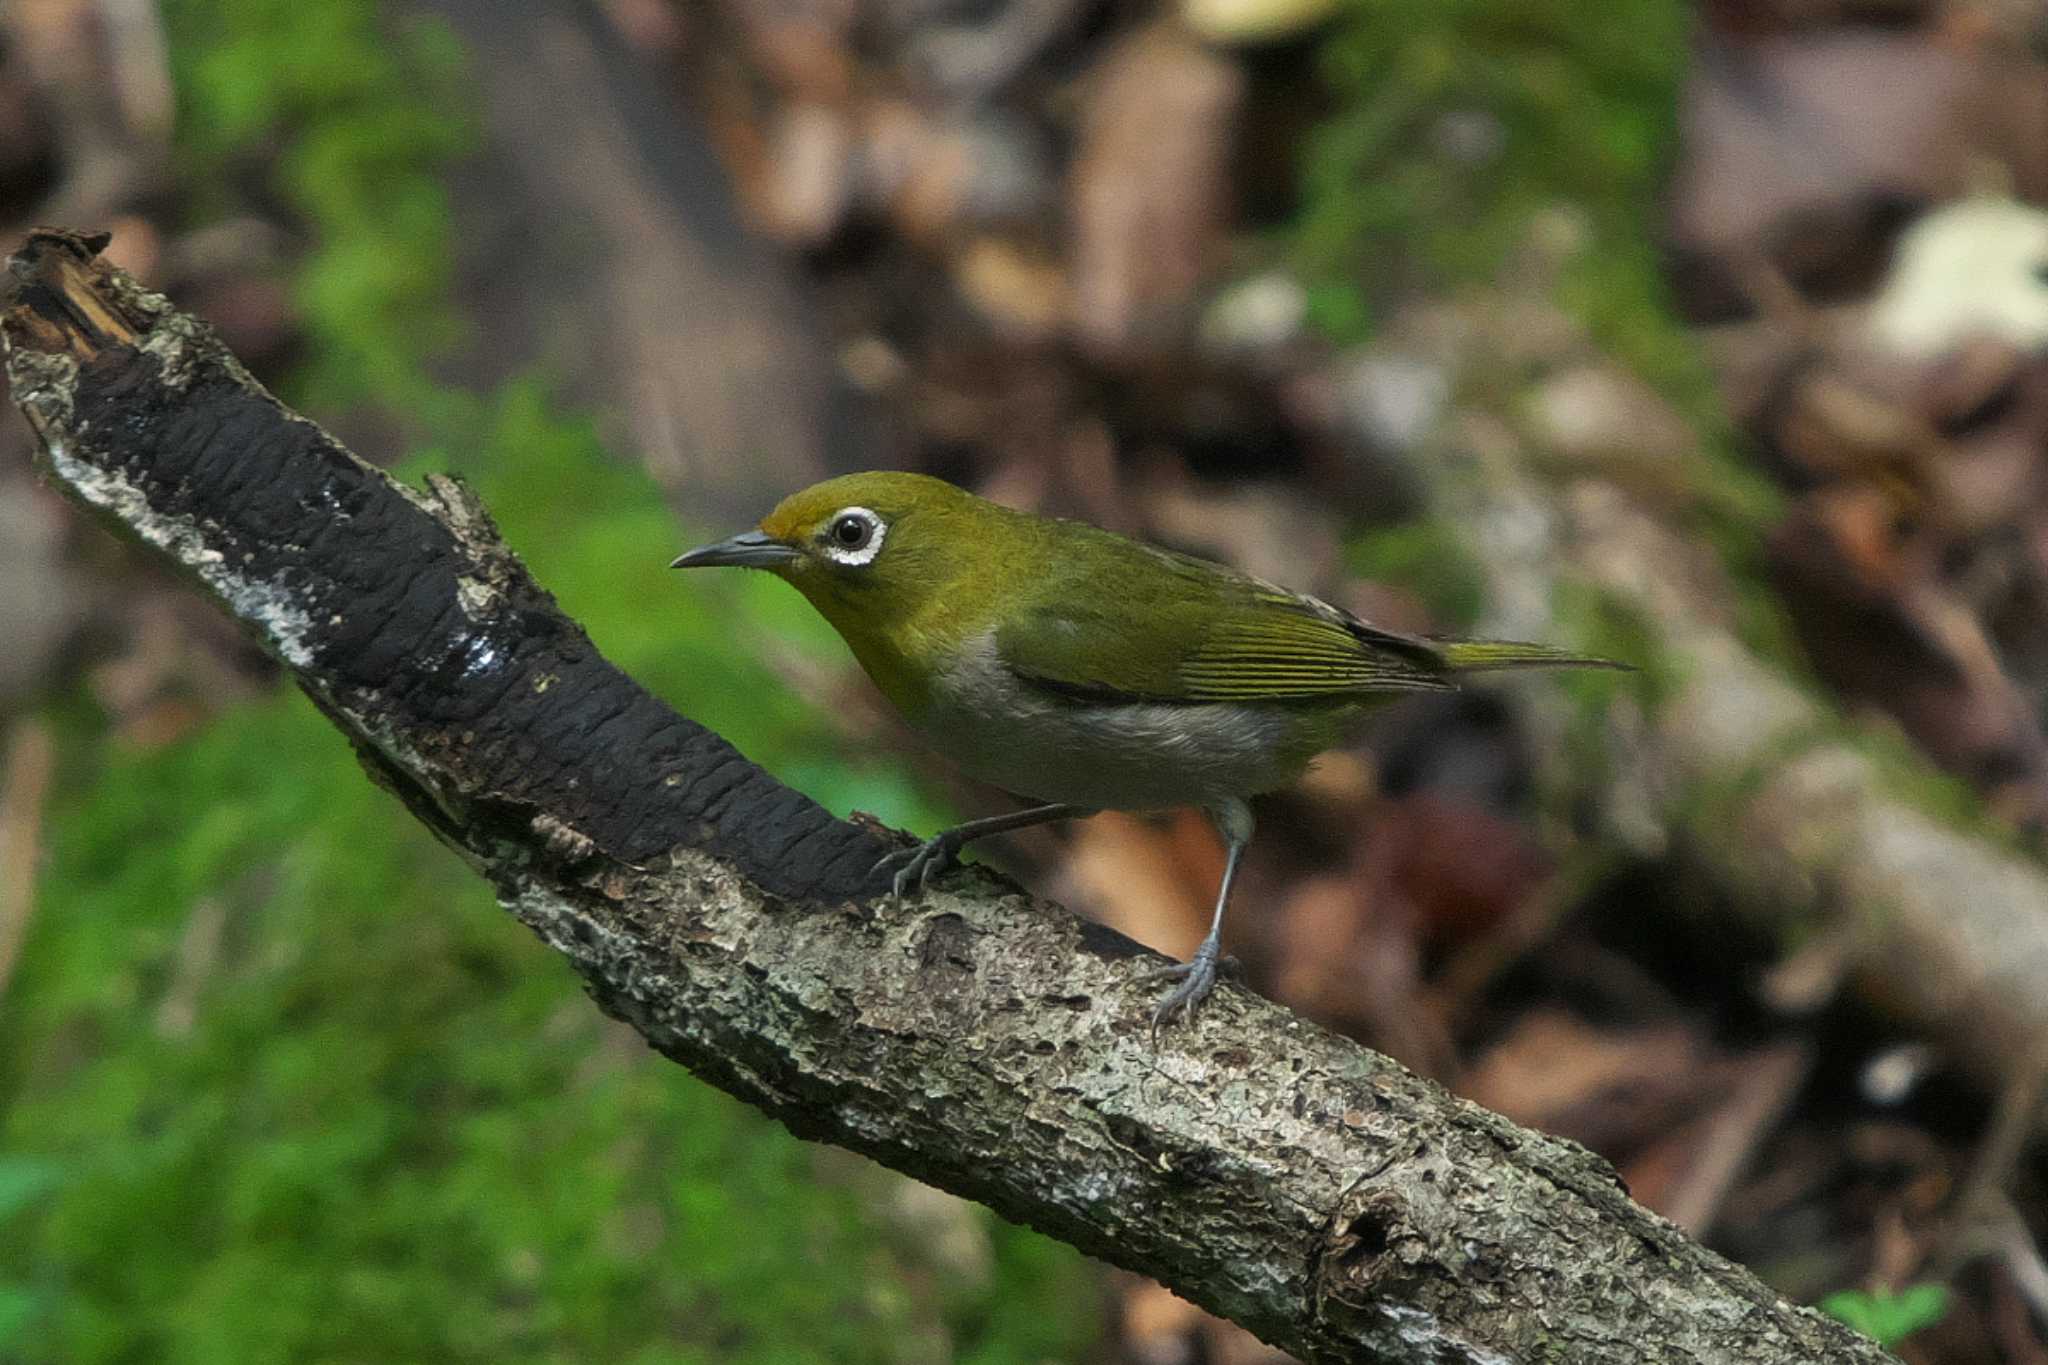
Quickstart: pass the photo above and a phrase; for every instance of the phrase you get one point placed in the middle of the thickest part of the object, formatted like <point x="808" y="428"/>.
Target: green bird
<point x="1086" y="670"/>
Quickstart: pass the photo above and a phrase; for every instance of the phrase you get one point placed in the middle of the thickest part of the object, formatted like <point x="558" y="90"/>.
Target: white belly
<point x="1140" y="756"/>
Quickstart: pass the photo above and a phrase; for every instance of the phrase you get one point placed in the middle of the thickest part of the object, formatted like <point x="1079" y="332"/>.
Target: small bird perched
<point x="1086" y="670"/>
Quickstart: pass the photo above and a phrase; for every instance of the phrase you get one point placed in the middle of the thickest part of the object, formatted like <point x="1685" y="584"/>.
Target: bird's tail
<point x="1488" y="656"/>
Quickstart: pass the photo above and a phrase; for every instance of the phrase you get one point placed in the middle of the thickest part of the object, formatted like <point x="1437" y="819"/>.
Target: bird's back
<point x="1113" y="619"/>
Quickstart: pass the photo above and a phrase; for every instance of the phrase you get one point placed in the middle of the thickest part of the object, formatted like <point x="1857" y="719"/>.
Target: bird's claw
<point x="1197" y="977"/>
<point x="917" y="865"/>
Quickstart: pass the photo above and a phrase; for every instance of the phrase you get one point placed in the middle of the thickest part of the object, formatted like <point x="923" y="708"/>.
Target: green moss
<point x="1580" y="99"/>
<point x="1613" y="626"/>
<point x="1889" y="1318"/>
<point x="1903" y="771"/>
<point x="1428" y="559"/>
<point x="351" y="117"/>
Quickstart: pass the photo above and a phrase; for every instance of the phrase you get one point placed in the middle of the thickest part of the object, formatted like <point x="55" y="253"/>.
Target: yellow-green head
<point x="904" y="566"/>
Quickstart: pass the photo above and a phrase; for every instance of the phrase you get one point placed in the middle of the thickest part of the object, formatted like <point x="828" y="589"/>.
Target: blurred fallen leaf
<point x="1254" y="21"/>
<point x="1153" y="881"/>
<point x="1150" y="185"/>
<point x="1020" y="289"/>
<point x="1351" y="960"/>
<point x="1463" y="867"/>
<point x="1161" y="1328"/>
<point x="1975" y="268"/>
<point x="1799" y="150"/>
<point x="1610" y="1089"/>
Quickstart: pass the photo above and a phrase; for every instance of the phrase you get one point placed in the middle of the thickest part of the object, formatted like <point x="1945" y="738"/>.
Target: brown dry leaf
<point x="1992" y="405"/>
<point x="1864" y="525"/>
<point x="1161" y="1328"/>
<point x="1833" y="425"/>
<point x="1322" y="963"/>
<point x="803" y="46"/>
<point x="1804" y="151"/>
<point x="1342" y="781"/>
<point x="1799" y="149"/>
<point x="1159" y="1325"/>
<point x="1971" y="382"/>
<point x="1351" y="961"/>
<point x="1885" y="631"/>
<point x="1150" y="187"/>
<point x="808" y="181"/>
<point x="1152" y="881"/>
<point x="1687" y="1175"/>
<point x="1461" y="866"/>
<point x="1910" y="569"/>
<point x="1228" y="1344"/>
<point x="1612" y="1090"/>
<point x="1019" y="289"/>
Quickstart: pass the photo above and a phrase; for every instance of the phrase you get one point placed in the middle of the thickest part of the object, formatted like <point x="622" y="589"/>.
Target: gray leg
<point x="1197" y="976"/>
<point x="917" y="866"/>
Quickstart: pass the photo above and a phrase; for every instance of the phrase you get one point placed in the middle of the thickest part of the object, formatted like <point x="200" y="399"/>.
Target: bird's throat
<point x="895" y="652"/>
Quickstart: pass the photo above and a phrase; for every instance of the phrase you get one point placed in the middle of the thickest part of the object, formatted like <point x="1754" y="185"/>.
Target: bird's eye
<point x="851" y="532"/>
<point x="853" y="537"/>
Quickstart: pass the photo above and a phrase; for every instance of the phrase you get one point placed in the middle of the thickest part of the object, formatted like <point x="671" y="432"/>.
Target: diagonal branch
<point x="996" y="1046"/>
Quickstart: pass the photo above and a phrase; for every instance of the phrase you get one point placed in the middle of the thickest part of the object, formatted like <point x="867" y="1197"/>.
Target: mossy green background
<point x="278" y="1081"/>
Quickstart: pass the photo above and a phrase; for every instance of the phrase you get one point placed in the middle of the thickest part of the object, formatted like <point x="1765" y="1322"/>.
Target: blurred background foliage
<point x="1711" y="336"/>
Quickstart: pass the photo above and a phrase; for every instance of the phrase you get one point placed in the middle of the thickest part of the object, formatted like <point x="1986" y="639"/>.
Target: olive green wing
<point x="1145" y="624"/>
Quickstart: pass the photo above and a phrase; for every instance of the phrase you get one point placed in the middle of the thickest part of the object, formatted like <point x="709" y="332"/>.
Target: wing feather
<point x="1149" y="625"/>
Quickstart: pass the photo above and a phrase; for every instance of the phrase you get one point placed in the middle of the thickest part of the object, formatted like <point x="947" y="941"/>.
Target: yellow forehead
<point x="888" y="495"/>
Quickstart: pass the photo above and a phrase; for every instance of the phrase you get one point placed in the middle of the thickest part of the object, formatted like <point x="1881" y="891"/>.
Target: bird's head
<point x="868" y="549"/>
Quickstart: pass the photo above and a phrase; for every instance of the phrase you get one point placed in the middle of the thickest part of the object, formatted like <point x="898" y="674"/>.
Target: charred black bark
<point x="1316" y="1192"/>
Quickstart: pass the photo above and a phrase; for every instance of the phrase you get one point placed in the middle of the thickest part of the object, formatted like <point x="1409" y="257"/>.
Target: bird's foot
<point x="1197" y="977"/>
<point x="917" y="865"/>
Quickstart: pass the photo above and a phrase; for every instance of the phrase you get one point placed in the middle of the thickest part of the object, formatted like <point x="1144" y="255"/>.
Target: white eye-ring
<point x="853" y="536"/>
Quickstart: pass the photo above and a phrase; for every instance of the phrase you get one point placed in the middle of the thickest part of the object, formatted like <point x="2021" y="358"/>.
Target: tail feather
<point x="1487" y="656"/>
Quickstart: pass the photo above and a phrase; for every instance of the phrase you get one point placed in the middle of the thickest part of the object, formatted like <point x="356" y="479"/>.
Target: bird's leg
<point x="917" y="866"/>
<point x="1197" y="976"/>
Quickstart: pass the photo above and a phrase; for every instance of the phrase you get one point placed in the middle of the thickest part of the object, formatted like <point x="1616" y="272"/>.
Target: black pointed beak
<point x="748" y="549"/>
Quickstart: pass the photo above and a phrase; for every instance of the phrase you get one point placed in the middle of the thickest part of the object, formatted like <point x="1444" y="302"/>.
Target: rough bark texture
<point x="996" y="1046"/>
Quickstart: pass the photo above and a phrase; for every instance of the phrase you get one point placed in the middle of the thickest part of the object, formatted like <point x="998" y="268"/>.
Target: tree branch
<point x="996" y="1046"/>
